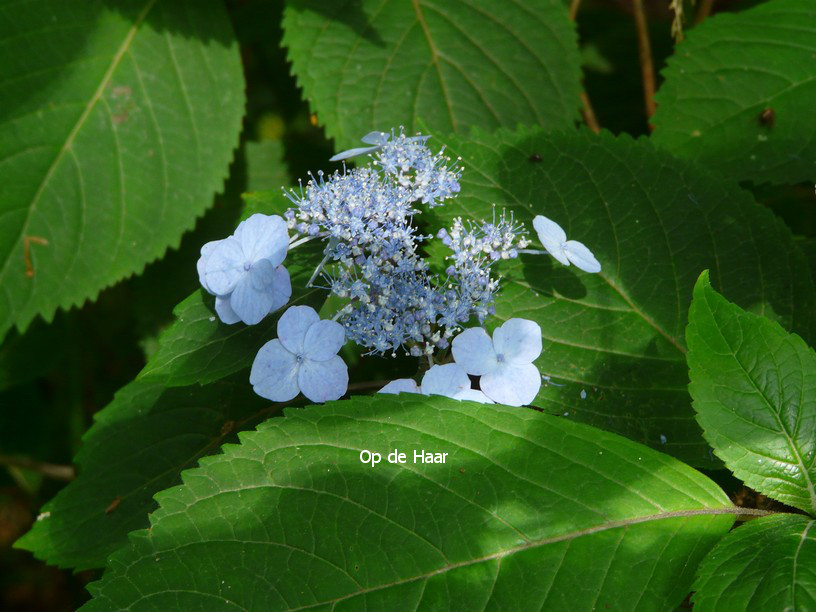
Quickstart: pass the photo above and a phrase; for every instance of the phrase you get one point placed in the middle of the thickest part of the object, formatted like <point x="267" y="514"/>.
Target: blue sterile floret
<point x="243" y="271"/>
<point x="503" y="363"/>
<point x="449" y="380"/>
<point x="303" y="358"/>
<point x="554" y="239"/>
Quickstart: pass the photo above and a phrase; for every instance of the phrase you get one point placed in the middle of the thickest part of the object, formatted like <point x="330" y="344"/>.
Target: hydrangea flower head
<point x="243" y="271"/>
<point x="303" y="358"/>
<point x="554" y="239"/>
<point x="505" y="362"/>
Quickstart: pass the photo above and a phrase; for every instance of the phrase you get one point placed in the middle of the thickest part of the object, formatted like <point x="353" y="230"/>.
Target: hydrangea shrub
<point x="482" y="313"/>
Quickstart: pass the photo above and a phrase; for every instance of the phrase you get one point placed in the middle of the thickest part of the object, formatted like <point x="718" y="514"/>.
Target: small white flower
<point x="554" y="239"/>
<point x="303" y="358"/>
<point x="452" y="381"/>
<point x="504" y="363"/>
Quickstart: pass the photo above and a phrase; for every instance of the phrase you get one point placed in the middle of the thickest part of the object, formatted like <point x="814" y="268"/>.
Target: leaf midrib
<point x="89" y="107"/>
<point x="498" y="556"/>
<point x="769" y="404"/>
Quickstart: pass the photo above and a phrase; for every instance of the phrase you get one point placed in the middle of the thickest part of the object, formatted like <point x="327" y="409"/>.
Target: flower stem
<point x="704" y="11"/>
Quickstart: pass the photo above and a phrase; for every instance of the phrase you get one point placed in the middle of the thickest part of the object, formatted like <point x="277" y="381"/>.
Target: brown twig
<point x="645" y="54"/>
<point x="573" y="10"/>
<point x="589" y="114"/>
<point x="704" y="10"/>
<point x="51" y="470"/>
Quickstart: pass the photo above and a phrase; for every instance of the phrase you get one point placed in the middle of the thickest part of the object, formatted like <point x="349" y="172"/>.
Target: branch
<point x="51" y="470"/>
<point x="589" y="114"/>
<point x="704" y="11"/>
<point x="645" y="54"/>
<point x="573" y="10"/>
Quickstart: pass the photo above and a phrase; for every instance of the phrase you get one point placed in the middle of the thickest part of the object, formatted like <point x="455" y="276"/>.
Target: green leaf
<point x="768" y="564"/>
<point x="138" y="446"/>
<point x="730" y="69"/>
<point x="528" y="511"/>
<point x="383" y="64"/>
<point x="615" y="340"/>
<point x="754" y="390"/>
<point x="117" y="127"/>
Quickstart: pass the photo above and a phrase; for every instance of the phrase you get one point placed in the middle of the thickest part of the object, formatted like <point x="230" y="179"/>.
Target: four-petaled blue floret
<point x="505" y="362"/>
<point x="303" y="358"/>
<point x="243" y="271"/>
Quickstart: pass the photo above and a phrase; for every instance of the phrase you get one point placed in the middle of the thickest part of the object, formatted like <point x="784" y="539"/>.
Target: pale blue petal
<point x="201" y="264"/>
<point x="225" y="311"/>
<point x="264" y="237"/>
<point x="510" y="384"/>
<point x="447" y="380"/>
<point x="581" y="256"/>
<point x="518" y="341"/>
<point x="249" y="303"/>
<point x="375" y="138"/>
<point x="473" y="350"/>
<point x="473" y="395"/>
<point x="552" y="236"/>
<point x="323" y="381"/>
<point x="274" y="373"/>
<point x="281" y="289"/>
<point x="401" y="385"/>
<point x="293" y="324"/>
<point x="262" y="273"/>
<point x="323" y="340"/>
<point x="224" y="267"/>
<point x="353" y="153"/>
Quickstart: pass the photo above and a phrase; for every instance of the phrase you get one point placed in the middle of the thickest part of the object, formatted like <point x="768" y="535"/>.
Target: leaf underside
<point x="117" y="125"/>
<point x="614" y="342"/>
<point x="291" y="518"/>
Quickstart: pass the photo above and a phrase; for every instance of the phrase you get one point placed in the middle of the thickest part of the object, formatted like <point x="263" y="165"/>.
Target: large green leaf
<point x="378" y="64"/>
<point x="528" y="511"/>
<point x="754" y="390"/>
<point x="738" y="94"/>
<point x="616" y="339"/>
<point x="117" y="124"/>
<point x="768" y="564"/>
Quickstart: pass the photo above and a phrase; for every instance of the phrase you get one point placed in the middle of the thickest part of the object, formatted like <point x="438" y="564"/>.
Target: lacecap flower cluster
<point x="391" y="301"/>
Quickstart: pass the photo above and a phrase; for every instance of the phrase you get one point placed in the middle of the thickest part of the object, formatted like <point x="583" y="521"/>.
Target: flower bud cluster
<point x="372" y="257"/>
